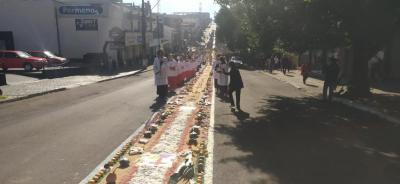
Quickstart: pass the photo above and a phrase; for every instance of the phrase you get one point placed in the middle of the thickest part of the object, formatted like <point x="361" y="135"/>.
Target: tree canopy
<point x="365" y="26"/>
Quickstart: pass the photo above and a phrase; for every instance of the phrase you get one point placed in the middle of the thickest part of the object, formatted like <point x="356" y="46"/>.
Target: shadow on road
<point x="306" y="141"/>
<point x="157" y="105"/>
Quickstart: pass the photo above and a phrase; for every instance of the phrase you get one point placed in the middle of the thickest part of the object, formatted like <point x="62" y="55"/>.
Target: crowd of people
<point x="172" y="71"/>
<point x="330" y="72"/>
<point x="278" y="63"/>
<point x="227" y="80"/>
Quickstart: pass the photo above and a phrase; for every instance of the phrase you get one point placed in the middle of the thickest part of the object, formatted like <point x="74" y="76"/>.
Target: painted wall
<point x="76" y="43"/>
<point x="32" y="23"/>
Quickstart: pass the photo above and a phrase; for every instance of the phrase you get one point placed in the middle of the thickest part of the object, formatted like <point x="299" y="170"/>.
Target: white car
<point x="235" y="59"/>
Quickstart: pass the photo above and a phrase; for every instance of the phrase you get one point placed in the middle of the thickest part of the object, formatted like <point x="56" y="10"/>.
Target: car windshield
<point x="23" y="54"/>
<point x="48" y="53"/>
<point x="38" y="54"/>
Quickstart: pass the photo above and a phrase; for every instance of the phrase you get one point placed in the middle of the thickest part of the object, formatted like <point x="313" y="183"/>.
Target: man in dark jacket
<point x="331" y="76"/>
<point x="235" y="85"/>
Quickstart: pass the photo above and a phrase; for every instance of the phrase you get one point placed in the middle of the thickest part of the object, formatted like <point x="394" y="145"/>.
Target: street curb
<point x="33" y="95"/>
<point x="123" y="76"/>
<point x="65" y="88"/>
<point x="350" y="103"/>
<point x="367" y="109"/>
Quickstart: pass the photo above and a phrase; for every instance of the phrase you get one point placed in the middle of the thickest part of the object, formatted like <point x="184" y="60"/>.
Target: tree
<point x="363" y="25"/>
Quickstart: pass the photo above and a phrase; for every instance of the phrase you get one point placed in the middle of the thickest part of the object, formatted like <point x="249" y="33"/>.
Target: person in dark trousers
<point x="305" y="71"/>
<point x="331" y="72"/>
<point x="235" y="85"/>
<point x="285" y="65"/>
<point x="160" y="69"/>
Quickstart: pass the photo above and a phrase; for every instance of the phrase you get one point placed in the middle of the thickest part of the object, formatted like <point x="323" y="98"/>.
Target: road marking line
<point x="208" y="177"/>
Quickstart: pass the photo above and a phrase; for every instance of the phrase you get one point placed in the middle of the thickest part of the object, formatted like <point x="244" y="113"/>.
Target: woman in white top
<point x="223" y="77"/>
<point x="215" y="70"/>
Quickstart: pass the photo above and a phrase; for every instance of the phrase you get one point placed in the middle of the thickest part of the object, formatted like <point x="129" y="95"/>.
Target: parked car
<point x="237" y="60"/>
<point x="20" y="59"/>
<point x="52" y="59"/>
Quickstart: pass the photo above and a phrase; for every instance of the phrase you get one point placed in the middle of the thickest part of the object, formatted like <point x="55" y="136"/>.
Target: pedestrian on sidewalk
<point x="276" y="62"/>
<point x="235" y="85"/>
<point x="271" y="64"/>
<point x="223" y="78"/>
<point x="305" y="71"/>
<point x="285" y="65"/>
<point x="331" y="72"/>
<point x="266" y="64"/>
<point x="160" y="69"/>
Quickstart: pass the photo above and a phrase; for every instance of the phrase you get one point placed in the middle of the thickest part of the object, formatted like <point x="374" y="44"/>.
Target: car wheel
<point x="5" y="69"/>
<point x="28" y="67"/>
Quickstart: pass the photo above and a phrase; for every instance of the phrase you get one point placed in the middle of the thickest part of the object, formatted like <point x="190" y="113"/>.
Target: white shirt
<point x="160" y="70"/>
<point x="223" y="78"/>
<point x="172" y="68"/>
<point x="215" y="69"/>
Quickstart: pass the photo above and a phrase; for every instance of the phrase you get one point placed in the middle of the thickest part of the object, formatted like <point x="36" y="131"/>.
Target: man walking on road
<point x="331" y="76"/>
<point x="235" y="85"/>
<point x="160" y="75"/>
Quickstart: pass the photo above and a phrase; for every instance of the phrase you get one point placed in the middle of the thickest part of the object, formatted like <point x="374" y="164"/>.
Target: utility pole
<point x="144" y="29"/>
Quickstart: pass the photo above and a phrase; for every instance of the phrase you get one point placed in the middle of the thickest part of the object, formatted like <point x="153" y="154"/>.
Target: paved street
<point x="61" y="137"/>
<point x="289" y="138"/>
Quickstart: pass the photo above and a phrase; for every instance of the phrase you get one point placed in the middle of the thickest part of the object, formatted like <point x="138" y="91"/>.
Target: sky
<point x="171" y="6"/>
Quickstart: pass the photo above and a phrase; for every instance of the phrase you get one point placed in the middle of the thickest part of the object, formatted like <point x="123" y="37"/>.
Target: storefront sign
<point x="130" y="39"/>
<point x="81" y="10"/>
<point x="116" y="33"/>
<point x="86" y="24"/>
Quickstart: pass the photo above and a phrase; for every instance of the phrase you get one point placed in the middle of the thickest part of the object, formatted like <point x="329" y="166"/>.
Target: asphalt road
<point x="285" y="137"/>
<point x="61" y="137"/>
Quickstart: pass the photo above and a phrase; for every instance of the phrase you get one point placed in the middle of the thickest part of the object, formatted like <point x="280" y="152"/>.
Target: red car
<point x="52" y="59"/>
<point x="20" y="59"/>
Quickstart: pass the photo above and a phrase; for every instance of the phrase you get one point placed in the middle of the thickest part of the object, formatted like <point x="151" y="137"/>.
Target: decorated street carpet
<point x="172" y="146"/>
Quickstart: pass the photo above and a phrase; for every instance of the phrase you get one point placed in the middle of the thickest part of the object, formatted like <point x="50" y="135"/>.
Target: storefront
<point x="72" y="28"/>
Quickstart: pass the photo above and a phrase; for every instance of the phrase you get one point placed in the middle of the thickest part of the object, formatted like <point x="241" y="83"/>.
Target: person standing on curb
<point x="160" y="75"/>
<point x="331" y="72"/>
<point x="235" y="85"/>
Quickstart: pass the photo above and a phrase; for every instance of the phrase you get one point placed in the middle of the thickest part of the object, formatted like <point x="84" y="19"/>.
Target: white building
<point x="72" y="28"/>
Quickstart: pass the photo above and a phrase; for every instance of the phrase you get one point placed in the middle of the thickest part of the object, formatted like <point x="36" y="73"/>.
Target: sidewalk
<point x="19" y="91"/>
<point x="382" y="103"/>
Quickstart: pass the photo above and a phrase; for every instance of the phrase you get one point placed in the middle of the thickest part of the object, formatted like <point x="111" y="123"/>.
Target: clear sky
<point x="170" y="6"/>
